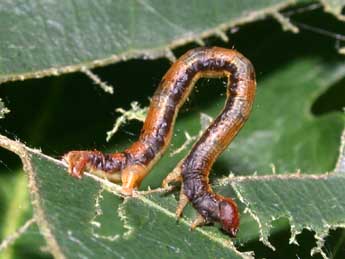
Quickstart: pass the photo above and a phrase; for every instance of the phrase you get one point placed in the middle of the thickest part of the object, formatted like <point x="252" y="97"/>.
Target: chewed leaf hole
<point x="106" y="224"/>
<point x="280" y="240"/>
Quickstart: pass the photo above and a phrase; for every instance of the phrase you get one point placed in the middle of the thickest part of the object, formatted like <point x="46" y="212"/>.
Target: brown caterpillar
<point x="134" y="163"/>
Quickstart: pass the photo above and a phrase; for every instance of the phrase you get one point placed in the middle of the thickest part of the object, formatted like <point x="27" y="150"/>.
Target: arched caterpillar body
<point x="134" y="163"/>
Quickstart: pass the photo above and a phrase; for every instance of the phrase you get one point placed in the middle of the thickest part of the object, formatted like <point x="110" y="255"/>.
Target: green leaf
<point x="282" y="129"/>
<point x="68" y="212"/>
<point x="72" y="212"/>
<point x="340" y="166"/>
<point x="53" y="37"/>
<point x="282" y="132"/>
<point x="17" y="205"/>
<point x="308" y="201"/>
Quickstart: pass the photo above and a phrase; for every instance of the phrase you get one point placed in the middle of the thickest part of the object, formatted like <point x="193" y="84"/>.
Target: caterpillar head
<point x="228" y="216"/>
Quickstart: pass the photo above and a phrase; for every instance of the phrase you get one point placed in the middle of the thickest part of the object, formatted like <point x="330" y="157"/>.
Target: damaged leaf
<point x="307" y="201"/>
<point x="88" y="218"/>
<point x="67" y="211"/>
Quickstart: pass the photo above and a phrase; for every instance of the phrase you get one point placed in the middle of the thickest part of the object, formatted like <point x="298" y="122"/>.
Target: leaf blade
<point x="56" y="37"/>
<point x="66" y="217"/>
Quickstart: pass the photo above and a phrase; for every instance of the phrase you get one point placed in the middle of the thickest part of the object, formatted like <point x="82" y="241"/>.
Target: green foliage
<point x="294" y="129"/>
<point x="61" y="36"/>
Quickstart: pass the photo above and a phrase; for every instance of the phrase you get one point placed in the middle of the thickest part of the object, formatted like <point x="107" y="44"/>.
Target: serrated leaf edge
<point x="24" y="153"/>
<point x="319" y="236"/>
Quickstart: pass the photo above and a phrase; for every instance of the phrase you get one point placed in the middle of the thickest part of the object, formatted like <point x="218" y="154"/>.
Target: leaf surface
<point x="70" y="215"/>
<point x="53" y="37"/>
<point x="308" y="201"/>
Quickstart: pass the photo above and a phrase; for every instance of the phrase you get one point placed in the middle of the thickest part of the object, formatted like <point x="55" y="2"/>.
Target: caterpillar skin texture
<point x="133" y="164"/>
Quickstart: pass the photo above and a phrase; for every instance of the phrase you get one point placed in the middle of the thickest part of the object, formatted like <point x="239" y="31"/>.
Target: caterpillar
<point x="134" y="163"/>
